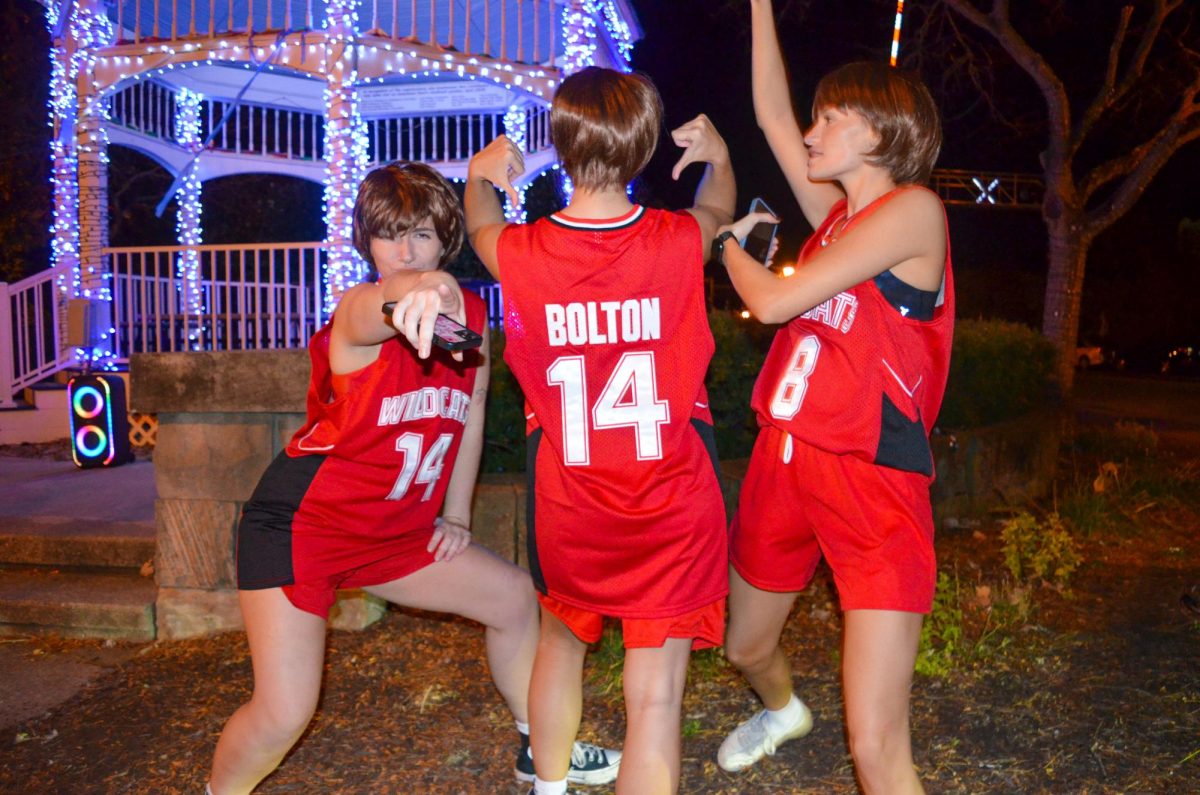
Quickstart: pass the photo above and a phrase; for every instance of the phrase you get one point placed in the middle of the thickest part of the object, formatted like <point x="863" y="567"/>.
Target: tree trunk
<point x="1064" y="293"/>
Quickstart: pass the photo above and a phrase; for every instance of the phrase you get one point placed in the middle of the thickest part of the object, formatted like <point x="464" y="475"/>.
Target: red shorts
<point x="318" y="577"/>
<point x="705" y="625"/>
<point x="873" y="524"/>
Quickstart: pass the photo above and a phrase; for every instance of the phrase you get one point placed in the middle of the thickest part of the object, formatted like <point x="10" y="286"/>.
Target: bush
<point x="1039" y="550"/>
<point x="998" y="371"/>
<point x="740" y="349"/>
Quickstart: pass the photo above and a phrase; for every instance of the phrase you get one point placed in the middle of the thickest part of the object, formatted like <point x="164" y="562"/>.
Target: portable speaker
<point x="99" y="421"/>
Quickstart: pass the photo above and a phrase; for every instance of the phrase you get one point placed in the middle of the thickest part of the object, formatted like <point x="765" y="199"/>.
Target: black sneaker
<point x="591" y="765"/>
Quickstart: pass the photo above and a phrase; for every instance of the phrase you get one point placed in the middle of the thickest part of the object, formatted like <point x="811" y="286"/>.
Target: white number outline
<point x="790" y="391"/>
<point x="634" y="367"/>
<point x="422" y="470"/>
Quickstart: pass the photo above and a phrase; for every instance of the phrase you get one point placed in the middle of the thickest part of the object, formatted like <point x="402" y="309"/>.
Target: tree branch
<point x="1058" y="106"/>
<point x="1141" y="165"/>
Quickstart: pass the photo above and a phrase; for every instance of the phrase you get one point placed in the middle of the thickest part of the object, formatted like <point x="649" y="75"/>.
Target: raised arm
<point x="494" y="165"/>
<point x="777" y="118"/>
<point x="907" y="235"/>
<point x="716" y="195"/>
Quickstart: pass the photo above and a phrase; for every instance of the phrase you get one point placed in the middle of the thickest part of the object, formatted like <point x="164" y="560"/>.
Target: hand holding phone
<point x="447" y="332"/>
<point x="758" y="241"/>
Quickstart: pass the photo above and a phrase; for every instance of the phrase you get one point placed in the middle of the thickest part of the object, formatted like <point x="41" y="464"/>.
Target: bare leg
<point x="482" y="587"/>
<point x="287" y="649"/>
<point x="654" y="680"/>
<point x="555" y="698"/>
<point x="756" y="619"/>
<point x="878" y="656"/>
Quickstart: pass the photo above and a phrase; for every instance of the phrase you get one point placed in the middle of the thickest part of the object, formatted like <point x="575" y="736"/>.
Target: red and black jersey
<point x="389" y="434"/>
<point x="853" y="375"/>
<point x="608" y="335"/>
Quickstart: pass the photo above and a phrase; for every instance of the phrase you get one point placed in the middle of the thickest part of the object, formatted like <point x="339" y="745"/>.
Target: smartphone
<point x="758" y="242"/>
<point x="447" y="332"/>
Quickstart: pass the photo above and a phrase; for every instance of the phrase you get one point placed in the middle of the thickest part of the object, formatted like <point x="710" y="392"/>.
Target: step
<point x="55" y="541"/>
<point x="77" y="604"/>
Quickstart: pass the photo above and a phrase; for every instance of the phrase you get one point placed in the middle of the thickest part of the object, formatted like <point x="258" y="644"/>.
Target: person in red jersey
<point x="608" y="335"/>
<point x="374" y="491"/>
<point x="845" y="402"/>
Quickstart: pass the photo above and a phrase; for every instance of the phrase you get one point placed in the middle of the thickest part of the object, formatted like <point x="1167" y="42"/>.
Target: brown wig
<point x="395" y="198"/>
<point x="605" y="126"/>
<point x="899" y="109"/>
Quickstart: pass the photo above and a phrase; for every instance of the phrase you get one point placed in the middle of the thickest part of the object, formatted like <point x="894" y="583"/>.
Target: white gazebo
<point x="318" y="89"/>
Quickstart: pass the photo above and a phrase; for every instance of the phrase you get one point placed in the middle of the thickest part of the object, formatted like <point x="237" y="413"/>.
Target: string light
<point x="187" y="217"/>
<point x="896" y="31"/>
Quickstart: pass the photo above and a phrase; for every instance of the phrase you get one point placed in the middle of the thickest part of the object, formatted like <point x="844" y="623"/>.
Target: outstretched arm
<point x="777" y="118"/>
<point x="359" y="324"/>
<point x="716" y="195"/>
<point x="907" y="235"/>
<point x="494" y="165"/>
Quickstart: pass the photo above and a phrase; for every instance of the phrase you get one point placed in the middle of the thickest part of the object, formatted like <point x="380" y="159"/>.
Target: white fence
<point x="30" y="316"/>
<point x="250" y="297"/>
<point x="516" y="30"/>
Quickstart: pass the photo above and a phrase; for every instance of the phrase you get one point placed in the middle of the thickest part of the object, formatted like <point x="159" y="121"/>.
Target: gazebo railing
<point x="147" y="106"/>
<point x="525" y="31"/>
<point x="246" y="297"/>
<point x="29" y="333"/>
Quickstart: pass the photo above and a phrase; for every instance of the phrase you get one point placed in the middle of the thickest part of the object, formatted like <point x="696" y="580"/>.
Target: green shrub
<point x="1039" y="550"/>
<point x="942" y="630"/>
<point x="504" y="432"/>
<point x="998" y="371"/>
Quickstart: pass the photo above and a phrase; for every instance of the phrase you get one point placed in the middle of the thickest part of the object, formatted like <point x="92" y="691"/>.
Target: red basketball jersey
<point x="390" y="439"/>
<point x="853" y="376"/>
<point x="608" y="335"/>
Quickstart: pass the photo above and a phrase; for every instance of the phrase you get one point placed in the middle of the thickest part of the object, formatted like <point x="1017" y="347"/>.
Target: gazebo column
<point x="345" y="152"/>
<point x="89" y="29"/>
<point x="188" y="229"/>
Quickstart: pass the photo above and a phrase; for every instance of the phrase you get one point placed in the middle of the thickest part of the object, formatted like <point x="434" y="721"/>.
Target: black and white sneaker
<point x="591" y="765"/>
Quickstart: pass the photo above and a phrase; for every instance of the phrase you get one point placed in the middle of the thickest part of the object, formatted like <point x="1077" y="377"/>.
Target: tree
<point x="1099" y="156"/>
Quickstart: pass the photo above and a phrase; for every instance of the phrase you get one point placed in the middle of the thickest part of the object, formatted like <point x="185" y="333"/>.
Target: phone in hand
<point x="447" y="332"/>
<point x="758" y="242"/>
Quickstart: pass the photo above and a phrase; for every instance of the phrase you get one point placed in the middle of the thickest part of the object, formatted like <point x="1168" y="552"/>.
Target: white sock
<point x="208" y="790"/>
<point x="783" y="719"/>
<point x="523" y="728"/>
<point x="549" y="787"/>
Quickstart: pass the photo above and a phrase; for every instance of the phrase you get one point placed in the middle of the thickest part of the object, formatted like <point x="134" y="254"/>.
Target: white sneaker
<point x="754" y="739"/>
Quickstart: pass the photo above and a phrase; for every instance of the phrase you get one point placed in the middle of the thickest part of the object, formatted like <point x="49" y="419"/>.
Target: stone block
<point x="211" y="456"/>
<point x="356" y="609"/>
<point x="221" y="381"/>
<point x="191" y="612"/>
<point x="196" y="543"/>
<point x="494" y="516"/>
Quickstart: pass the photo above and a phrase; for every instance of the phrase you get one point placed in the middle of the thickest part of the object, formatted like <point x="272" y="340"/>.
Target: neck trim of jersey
<point x="619" y="222"/>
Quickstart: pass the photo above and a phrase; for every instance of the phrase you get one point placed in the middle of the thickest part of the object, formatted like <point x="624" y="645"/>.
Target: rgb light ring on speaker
<point x="77" y="401"/>
<point x="81" y="438"/>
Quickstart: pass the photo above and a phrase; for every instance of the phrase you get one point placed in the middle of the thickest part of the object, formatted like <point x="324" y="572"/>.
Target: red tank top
<point x="391" y="438"/>
<point x="853" y="376"/>
<point x="608" y="335"/>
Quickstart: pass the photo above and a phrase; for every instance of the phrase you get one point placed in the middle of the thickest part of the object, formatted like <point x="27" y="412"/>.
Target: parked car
<point x="1088" y="356"/>
<point x="1184" y="360"/>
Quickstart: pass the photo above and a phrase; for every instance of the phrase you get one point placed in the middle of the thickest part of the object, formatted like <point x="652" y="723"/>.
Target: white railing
<point x="251" y="297"/>
<point x="146" y="106"/>
<point x="515" y="30"/>
<point x="263" y="130"/>
<point x="30" y="316"/>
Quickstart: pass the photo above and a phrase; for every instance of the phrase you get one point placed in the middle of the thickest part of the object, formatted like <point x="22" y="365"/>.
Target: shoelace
<point x="752" y="730"/>
<point x="584" y="754"/>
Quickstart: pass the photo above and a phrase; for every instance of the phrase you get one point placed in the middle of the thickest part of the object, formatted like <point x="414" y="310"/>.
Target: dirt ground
<point x="1095" y="689"/>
